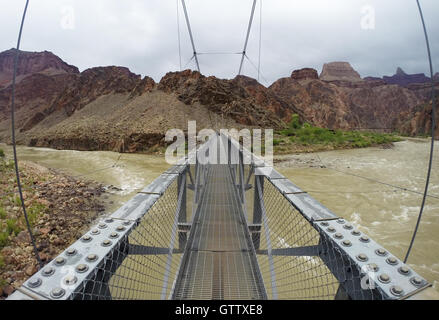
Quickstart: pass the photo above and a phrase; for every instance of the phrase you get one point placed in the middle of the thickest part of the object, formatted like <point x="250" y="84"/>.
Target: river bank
<point x="60" y="208"/>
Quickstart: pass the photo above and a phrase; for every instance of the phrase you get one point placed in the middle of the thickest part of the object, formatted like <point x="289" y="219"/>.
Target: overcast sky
<point x="142" y="34"/>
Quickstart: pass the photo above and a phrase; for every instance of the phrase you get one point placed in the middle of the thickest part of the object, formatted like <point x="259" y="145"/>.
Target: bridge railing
<point x="135" y="252"/>
<point x="304" y="250"/>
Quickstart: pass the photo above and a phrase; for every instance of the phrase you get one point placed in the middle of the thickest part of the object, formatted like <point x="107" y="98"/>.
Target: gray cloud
<point x="142" y="34"/>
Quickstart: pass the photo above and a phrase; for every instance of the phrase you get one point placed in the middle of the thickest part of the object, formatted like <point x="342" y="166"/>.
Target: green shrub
<point x="17" y="201"/>
<point x="306" y="134"/>
<point x="3" y="239"/>
<point x="34" y="211"/>
<point x="2" y="153"/>
<point x="295" y="122"/>
<point x="2" y="213"/>
<point x="12" y="227"/>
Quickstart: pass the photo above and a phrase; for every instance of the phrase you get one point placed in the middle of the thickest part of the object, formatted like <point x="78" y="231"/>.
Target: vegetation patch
<point x="304" y="137"/>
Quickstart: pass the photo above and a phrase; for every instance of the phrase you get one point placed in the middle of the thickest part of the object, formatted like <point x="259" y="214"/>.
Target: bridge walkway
<point x="220" y="261"/>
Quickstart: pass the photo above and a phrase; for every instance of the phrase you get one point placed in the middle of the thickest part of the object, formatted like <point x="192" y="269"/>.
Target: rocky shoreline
<point x="60" y="209"/>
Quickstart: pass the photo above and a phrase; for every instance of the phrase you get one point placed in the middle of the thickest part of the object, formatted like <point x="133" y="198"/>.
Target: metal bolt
<point x="364" y="238"/>
<point x="48" y="271"/>
<point x="34" y="283"/>
<point x="86" y="238"/>
<point x="70" y="280"/>
<point x="60" y="261"/>
<point x="347" y="243"/>
<point x="416" y="281"/>
<point x="120" y="228"/>
<point x="338" y="235"/>
<point x="381" y="252"/>
<point x="356" y="233"/>
<point x="384" y="278"/>
<point x="325" y="224"/>
<point x="114" y="235"/>
<point x="106" y="243"/>
<point x="57" y="293"/>
<point x="392" y="261"/>
<point x="341" y="221"/>
<point x="396" y="290"/>
<point x="404" y="270"/>
<point x="362" y="257"/>
<point x="348" y="227"/>
<point x="102" y="226"/>
<point x="71" y="251"/>
<point x="81" y="268"/>
<point x="373" y="267"/>
<point x="92" y="257"/>
<point x="331" y="229"/>
<point x="95" y="232"/>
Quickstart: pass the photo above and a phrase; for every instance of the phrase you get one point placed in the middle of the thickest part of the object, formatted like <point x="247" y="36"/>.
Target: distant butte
<point x="339" y="71"/>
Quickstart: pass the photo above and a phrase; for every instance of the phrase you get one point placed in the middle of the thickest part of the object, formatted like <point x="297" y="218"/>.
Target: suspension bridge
<point x="233" y="229"/>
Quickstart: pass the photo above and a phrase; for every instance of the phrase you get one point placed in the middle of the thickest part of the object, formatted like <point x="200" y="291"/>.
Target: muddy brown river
<point x="386" y="213"/>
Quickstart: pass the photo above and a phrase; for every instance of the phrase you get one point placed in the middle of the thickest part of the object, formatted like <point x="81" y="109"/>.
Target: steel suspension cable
<point x="247" y="36"/>
<point x="374" y="180"/>
<point x="14" y="147"/>
<point x="178" y="33"/>
<point x="256" y="68"/>
<point x="433" y="127"/>
<point x="260" y="38"/>
<point x="190" y="34"/>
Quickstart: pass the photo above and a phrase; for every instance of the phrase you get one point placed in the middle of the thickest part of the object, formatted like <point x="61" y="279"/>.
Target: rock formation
<point x="111" y="108"/>
<point x="345" y="104"/>
<point x="403" y="79"/>
<point x="31" y="63"/>
<point x="225" y="97"/>
<point x="305" y="73"/>
<point x="96" y="82"/>
<point x="339" y="71"/>
<point x="417" y="121"/>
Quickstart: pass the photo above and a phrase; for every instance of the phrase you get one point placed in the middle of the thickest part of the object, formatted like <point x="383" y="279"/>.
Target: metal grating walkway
<point x="219" y="261"/>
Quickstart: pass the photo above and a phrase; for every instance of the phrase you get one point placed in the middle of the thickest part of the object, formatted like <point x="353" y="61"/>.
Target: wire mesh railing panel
<point x="305" y="251"/>
<point x="291" y="277"/>
<point x="146" y="265"/>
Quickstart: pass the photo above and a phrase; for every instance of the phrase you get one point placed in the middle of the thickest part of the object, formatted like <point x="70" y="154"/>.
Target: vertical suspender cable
<point x="190" y="33"/>
<point x="14" y="148"/>
<point x="248" y="35"/>
<point x="433" y="125"/>
<point x="260" y="38"/>
<point x="179" y="37"/>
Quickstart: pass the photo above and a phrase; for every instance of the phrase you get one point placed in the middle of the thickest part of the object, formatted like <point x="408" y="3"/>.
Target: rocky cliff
<point x="228" y="98"/>
<point x="403" y="79"/>
<point x="111" y="108"/>
<point x="417" y="121"/>
<point x="30" y="63"/>
<point x="345" y="104"/>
